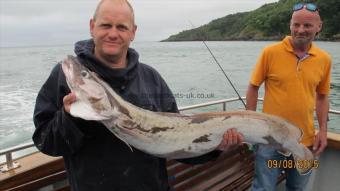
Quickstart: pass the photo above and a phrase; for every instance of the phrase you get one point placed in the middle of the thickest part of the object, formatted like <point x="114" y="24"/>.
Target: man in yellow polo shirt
<point x="297" y="79"/>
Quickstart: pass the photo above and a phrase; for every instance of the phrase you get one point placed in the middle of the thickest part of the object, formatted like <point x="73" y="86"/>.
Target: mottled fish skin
<point x="172" y="135"/>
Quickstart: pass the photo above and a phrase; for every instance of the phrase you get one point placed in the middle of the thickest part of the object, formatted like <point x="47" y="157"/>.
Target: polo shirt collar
<point x="286" y="43"/>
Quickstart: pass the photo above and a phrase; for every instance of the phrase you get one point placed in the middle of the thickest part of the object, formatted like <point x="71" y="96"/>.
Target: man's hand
<point x="321" y="107"/>
<point x="320" y="142"/>
<point x="230" y="138"/>
<point x="68" y="100"/>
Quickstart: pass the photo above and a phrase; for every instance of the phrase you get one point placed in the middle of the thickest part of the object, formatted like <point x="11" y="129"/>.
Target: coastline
<point x="249" y="39"/>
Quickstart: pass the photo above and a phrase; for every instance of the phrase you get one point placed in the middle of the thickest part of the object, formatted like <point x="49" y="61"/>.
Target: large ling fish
<point x="172" y="135"/>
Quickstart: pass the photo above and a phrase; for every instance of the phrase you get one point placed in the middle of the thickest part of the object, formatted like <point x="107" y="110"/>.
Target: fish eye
<point x="84" y="73"/>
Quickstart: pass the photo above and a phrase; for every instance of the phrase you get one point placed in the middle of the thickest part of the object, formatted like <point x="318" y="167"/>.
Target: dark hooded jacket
<point x="94" y="158"/>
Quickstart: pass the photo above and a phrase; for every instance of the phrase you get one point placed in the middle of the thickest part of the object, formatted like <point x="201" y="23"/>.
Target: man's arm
<point x="322" y="107"/>
<point x="251" y="97"/>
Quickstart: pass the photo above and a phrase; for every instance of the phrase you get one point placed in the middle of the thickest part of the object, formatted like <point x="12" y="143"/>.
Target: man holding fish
<point x="94" y="158"/>
<point x="297" y="79"/>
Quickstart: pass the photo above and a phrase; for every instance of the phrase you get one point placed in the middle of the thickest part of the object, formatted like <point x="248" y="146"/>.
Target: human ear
<point x="91" y="27"/>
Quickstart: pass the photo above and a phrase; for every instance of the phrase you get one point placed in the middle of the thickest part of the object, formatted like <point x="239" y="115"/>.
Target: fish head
<point x="92" y="100"/>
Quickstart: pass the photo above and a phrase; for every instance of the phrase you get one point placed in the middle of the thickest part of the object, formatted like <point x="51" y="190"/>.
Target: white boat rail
<point x="10" y="164"/>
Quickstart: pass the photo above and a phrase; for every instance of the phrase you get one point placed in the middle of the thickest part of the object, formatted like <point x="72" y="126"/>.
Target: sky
<point x="57" y="22"/>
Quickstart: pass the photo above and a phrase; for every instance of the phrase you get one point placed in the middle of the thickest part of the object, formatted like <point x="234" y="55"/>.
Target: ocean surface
<point x="187" y="67"/>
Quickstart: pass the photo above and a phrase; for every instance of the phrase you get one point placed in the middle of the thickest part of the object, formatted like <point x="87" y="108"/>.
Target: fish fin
<point x="108" y="123"/>
<point x="249" y="145"/>
<point x="304" y="164"/>
<point x="303" y="167"/>
<point x="125" y="143"/>
<point x="284" y="153"/>
<point x="123" y="140"/>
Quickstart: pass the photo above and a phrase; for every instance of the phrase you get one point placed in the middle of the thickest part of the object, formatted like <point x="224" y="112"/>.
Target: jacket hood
<point x="115" y="77"/>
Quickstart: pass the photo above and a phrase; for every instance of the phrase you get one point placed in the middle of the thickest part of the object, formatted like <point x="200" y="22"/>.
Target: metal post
<point x="9" y="163"/>
<point x="224" y="106"/>
<point x="9" y="160"/>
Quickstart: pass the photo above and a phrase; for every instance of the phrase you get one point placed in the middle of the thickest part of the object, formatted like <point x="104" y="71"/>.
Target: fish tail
<point x="304" y="164"/>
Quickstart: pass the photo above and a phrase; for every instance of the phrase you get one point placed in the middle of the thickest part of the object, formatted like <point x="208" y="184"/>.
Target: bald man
<point x="296" y="74"/>
<point x="96" y="160"/>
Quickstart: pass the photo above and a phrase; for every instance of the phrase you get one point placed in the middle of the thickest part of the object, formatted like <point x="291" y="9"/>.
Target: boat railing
<point x="11" y="164"/>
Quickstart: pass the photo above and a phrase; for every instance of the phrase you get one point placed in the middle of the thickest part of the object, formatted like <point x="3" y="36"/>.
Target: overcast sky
<point x="49" y="22"/>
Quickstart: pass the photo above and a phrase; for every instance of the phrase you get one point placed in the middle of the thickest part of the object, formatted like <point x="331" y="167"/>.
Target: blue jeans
<point x="265" y="178"/>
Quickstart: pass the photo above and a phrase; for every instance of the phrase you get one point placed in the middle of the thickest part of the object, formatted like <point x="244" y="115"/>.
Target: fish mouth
<point x="70" y="67"/>
<point x="67" y="69"/>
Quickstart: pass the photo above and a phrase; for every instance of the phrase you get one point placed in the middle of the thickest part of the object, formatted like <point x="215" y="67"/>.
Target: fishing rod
<point x="219" y="65"/>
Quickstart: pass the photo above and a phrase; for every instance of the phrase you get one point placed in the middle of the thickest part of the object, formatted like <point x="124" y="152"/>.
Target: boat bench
<point x="233" y="170"/>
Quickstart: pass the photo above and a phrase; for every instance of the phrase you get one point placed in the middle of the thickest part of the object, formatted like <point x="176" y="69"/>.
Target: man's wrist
<point x="323" y="129"/>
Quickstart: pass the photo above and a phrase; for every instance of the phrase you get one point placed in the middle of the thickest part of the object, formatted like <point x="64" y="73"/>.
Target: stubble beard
<point x="301" y="43"/>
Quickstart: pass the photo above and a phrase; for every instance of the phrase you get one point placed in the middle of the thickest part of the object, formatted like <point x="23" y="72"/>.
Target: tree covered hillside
<point x="269" y="22"/>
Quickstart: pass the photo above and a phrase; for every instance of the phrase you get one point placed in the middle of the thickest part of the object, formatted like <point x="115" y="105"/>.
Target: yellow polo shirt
<point x="291" y="84"/>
